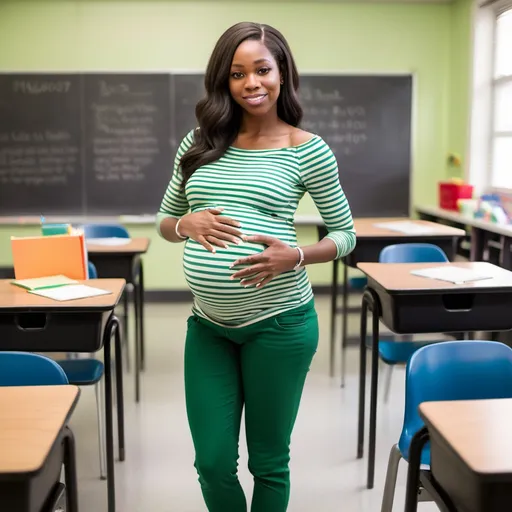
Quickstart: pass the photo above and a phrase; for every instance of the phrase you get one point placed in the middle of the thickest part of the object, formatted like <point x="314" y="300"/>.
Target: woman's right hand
<point x="210" y="229"/>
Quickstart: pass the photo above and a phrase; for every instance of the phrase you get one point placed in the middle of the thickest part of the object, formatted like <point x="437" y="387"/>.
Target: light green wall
<point x="162" y="35"/>
<point x="459" y="92"/>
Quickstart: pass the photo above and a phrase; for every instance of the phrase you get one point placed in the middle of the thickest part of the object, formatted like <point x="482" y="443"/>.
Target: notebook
<point x="112" y="241"/>
<point x="42" y="256"/>
<point x="407" y="227"/>
<point x="42" y="283"/>
<point x="456" y="275"/>
<point x="70" y="292"/>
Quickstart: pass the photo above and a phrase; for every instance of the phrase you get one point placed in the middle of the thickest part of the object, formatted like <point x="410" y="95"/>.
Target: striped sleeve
<point x="174" y="203"/>
<point x="319" y="174"/>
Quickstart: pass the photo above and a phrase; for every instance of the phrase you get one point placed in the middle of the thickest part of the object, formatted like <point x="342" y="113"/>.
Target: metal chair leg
<point x="101" y="428"/>
<point x="387" y="389"/>
<point x="391" y="475"/>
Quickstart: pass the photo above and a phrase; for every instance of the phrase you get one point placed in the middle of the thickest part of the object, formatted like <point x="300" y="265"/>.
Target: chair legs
<point x="391" y="475"/>
<point x="389" y="375"/>
<point x="101" y="428"/>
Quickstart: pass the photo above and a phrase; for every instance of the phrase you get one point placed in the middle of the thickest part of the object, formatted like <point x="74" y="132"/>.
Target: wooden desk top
<point x="31" y="419"/>
<point x="365" y="227"/>
<point x="135" y="246"/>
<point x="478" y="431"/>
<point x="397" y="277"/>
<point x="16" y="298"/>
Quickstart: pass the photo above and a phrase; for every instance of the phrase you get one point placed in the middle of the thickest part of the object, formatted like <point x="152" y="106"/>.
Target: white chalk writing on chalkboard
<point x="41" y="86"/>
<point x="107" y="90"/>
<point x="342" y="125"/>
<point x="45" y="157"/>
<point x="125" y="142"/>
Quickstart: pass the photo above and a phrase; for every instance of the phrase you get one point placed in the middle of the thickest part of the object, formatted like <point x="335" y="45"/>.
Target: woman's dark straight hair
<point x="218" y="115"/>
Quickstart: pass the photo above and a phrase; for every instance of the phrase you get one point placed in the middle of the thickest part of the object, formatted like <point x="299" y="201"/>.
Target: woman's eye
<point x="236" y="74"/>
<point x="263" y="71"/>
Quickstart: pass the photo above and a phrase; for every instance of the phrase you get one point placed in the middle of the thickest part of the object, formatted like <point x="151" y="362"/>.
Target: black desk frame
<point x="81" y="329"/>
<point x="368" y="250"/>
<point x="394" y="309"/>
<point x="128" y="266"/>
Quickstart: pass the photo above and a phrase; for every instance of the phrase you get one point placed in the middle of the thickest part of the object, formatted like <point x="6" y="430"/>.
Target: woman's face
<point x="254" y="80"/>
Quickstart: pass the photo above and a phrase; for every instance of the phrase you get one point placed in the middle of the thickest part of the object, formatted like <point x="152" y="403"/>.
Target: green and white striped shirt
<point x="260" y="188"/>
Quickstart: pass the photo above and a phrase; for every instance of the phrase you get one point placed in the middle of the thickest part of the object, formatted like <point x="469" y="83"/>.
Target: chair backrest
<point x="26" y="369"/>
<point x="412" y="253"/>
<point x="455" y="370"/>
<point x="93" y="273"/>
<point x="105" y="231"/>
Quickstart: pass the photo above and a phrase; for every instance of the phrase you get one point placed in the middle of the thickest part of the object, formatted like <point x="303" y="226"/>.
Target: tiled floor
<point x="158" y="474"/>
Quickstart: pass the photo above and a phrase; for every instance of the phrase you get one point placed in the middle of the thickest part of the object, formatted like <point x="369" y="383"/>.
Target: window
<point x="501" y="145"/>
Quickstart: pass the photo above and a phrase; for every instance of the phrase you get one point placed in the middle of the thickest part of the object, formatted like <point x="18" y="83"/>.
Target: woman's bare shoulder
<point x="299" y="137"/>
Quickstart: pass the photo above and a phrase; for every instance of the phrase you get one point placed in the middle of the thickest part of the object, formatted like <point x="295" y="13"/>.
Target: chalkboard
<point x="127" y="134"/>
<point x="101" y="144"/>
<point x="40" y="141"/>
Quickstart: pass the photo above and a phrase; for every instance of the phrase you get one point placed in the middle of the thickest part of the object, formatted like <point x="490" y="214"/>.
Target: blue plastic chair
<point x="393" y="352"/>
<point x="89" y="372"/>
<point x="449" y="370"/>
<point x="105" y="231"/>
<point x="93" y="274"/>
<point x="27" y="369"/>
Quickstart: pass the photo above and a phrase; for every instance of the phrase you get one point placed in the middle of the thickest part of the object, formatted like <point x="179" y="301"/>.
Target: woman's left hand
<point x="279" y="257"/>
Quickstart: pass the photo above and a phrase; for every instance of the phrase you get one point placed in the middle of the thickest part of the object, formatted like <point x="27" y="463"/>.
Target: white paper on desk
<point x="406" y="226"/>
<point x="113" y="241"/>
<point x="451" y="274"/>
<point x="71" y="292"/>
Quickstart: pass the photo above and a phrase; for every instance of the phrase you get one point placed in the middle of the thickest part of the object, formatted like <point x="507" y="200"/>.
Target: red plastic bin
<point x="450" y="193"/>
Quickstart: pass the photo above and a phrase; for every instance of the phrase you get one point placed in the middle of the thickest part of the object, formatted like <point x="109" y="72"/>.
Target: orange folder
<point x="43" y="256"/>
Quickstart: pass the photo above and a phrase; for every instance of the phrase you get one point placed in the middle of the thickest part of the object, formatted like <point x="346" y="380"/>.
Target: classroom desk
<point x="485" y="236"/>
<point x="370" y="242"/>
<point x="34" y="442"/>
<point x="409" y="304"/>
<point x="33" y="323"/>
<point x="471" y="455"/>
<point x="124" y="261"/>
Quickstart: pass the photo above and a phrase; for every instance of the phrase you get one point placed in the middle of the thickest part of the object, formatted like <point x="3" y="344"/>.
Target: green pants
<point x="262" y="367"/>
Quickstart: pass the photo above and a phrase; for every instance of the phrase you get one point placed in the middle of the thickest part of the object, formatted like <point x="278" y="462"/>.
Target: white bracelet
<point x="177" y="232"/>
<point x="301" y="258"/>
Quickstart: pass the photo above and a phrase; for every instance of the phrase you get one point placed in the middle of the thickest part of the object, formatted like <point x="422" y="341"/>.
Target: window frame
<point x="479" y="171"/>
<point x="499" y="9"/>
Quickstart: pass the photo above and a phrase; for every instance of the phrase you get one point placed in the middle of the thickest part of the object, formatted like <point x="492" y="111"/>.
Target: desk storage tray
<point x="415" y="313"/>
<point x="57" y="331"/>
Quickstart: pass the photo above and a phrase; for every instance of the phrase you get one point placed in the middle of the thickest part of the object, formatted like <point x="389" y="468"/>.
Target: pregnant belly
<point x="205" y="270"/>
<point x="208" y="277"/>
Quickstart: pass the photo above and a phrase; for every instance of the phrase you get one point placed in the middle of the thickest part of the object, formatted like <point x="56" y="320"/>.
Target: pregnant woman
<point x="253" y="332"/>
